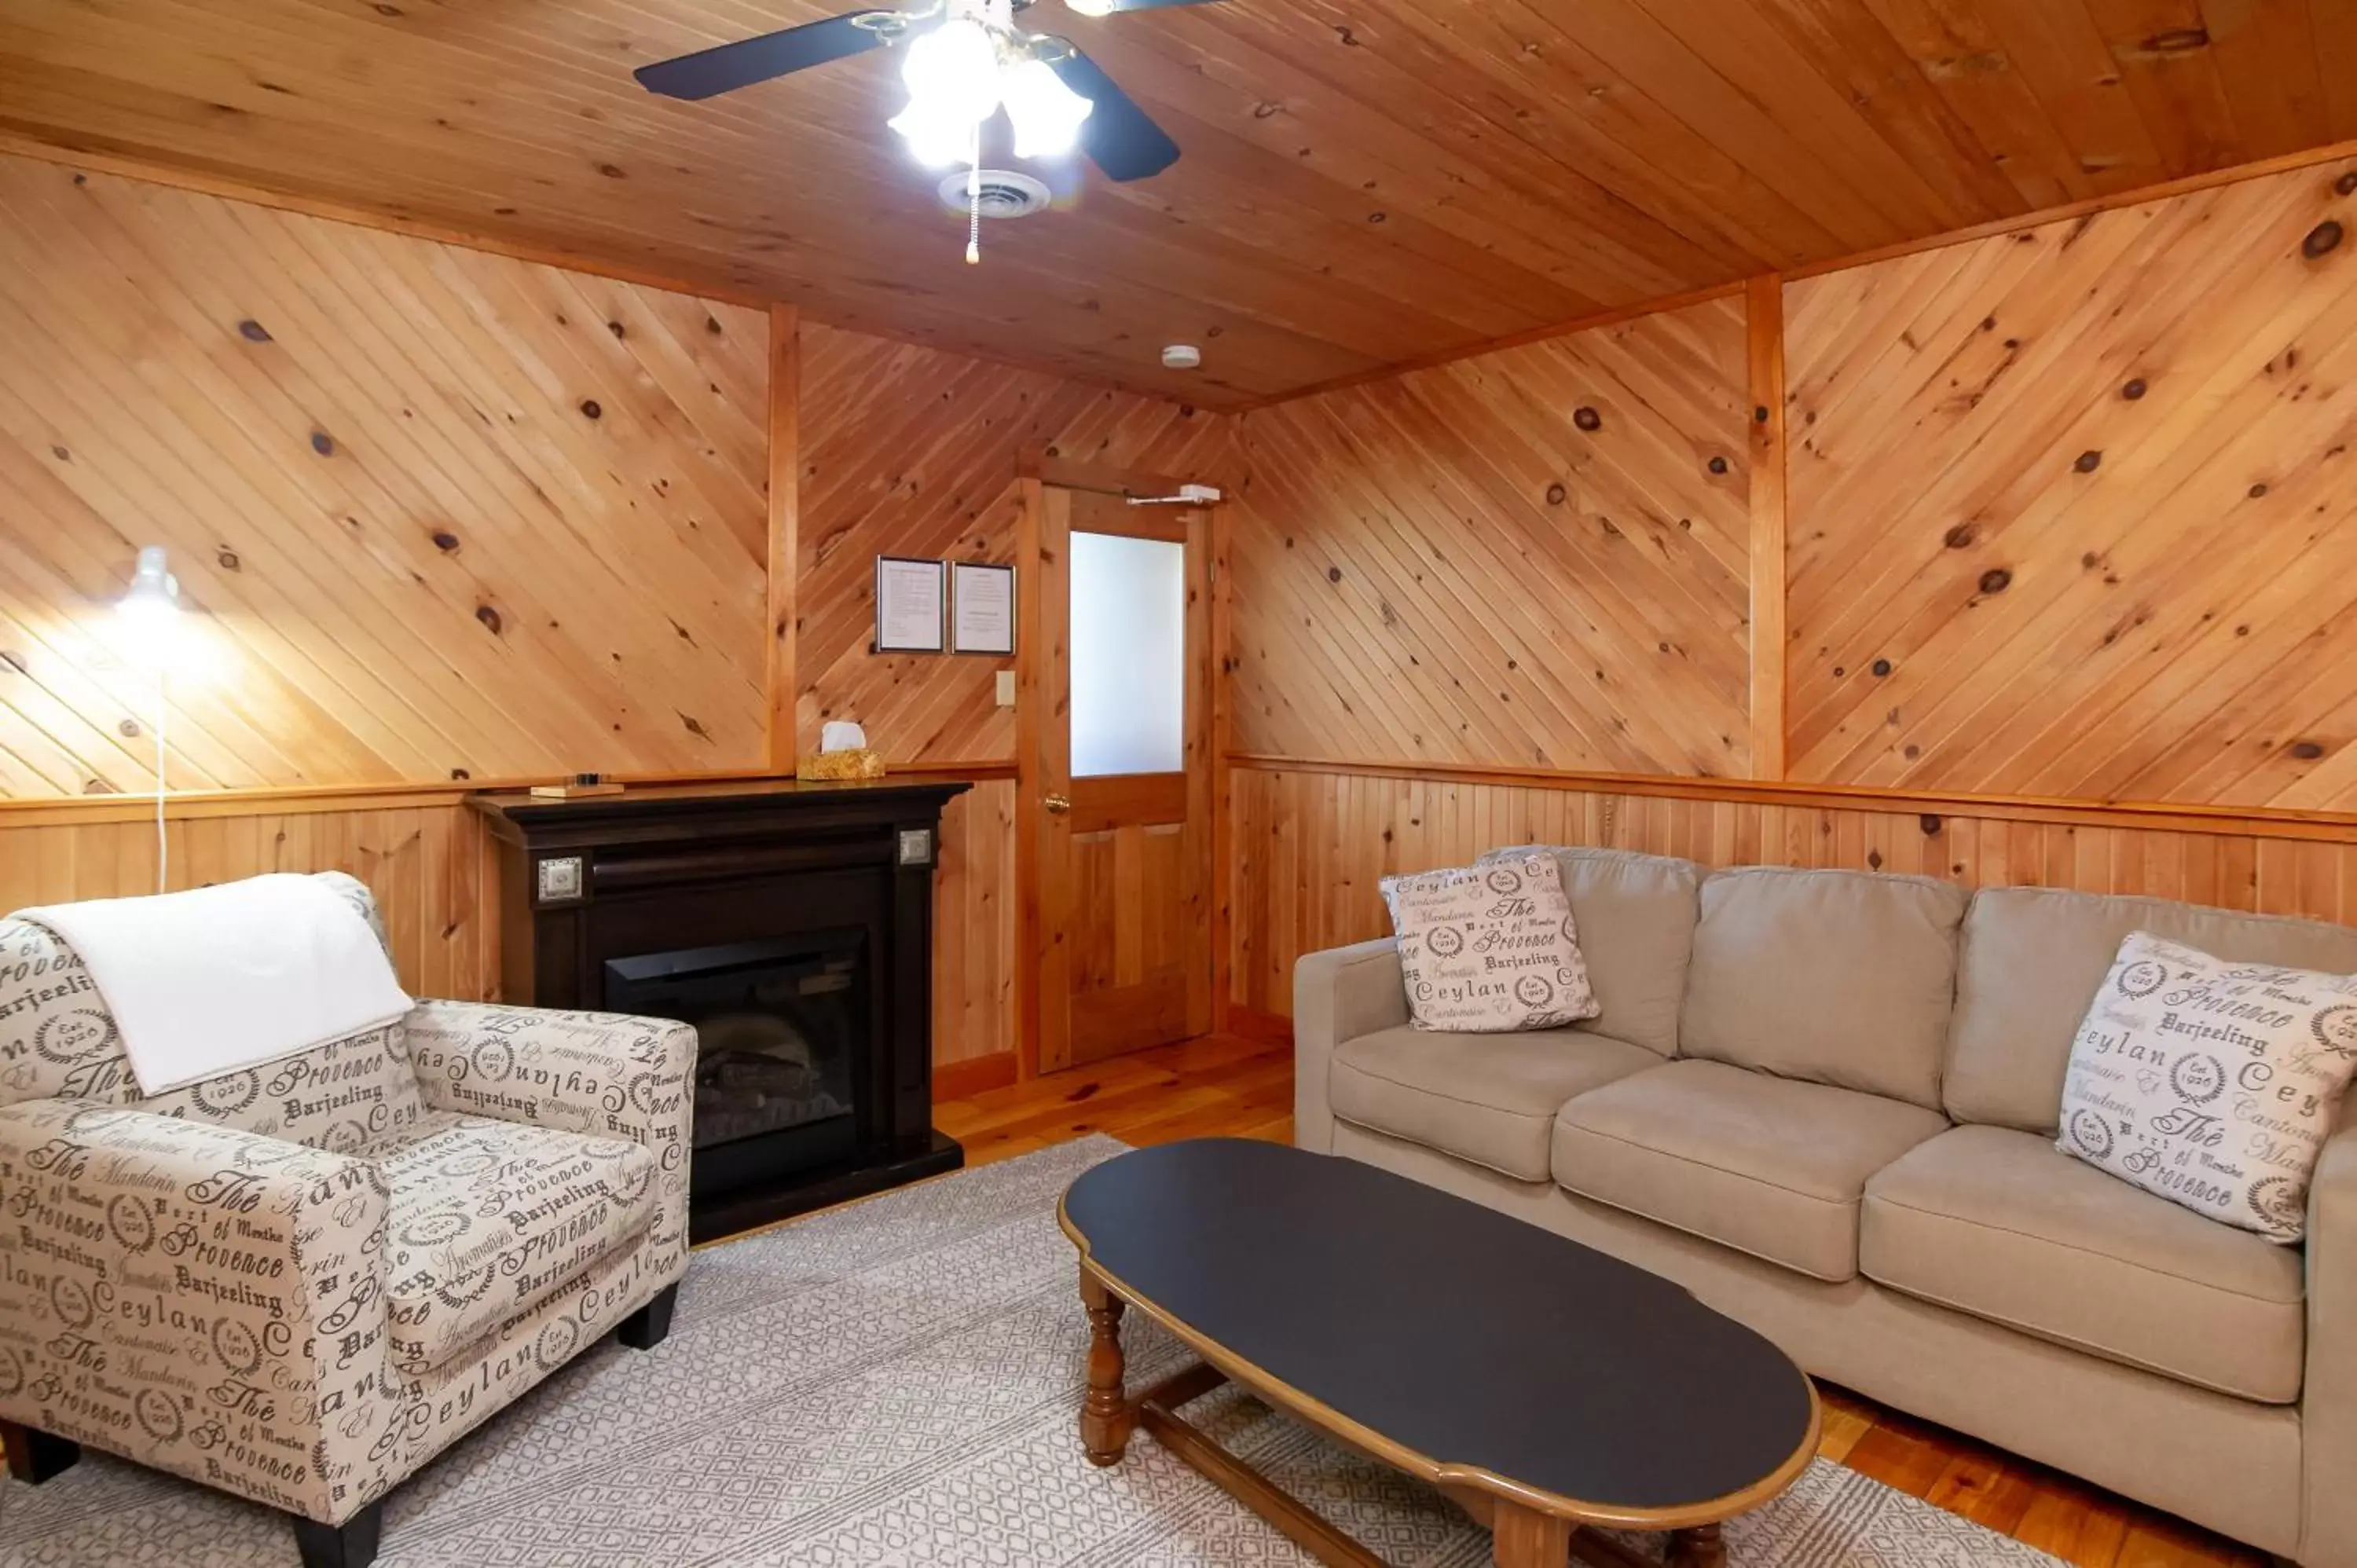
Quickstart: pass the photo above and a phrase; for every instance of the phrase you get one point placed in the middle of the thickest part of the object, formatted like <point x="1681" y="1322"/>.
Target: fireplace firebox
<point x="791" y="924"/>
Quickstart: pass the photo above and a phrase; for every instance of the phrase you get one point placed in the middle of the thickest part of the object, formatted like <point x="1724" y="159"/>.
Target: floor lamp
<point x="151" y="611"/>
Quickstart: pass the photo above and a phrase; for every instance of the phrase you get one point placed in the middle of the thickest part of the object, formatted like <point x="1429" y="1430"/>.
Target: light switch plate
<point x="1007" y="688"/>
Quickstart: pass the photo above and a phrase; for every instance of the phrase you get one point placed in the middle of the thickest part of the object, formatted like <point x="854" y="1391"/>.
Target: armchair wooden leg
<point x="351" y="1544"/>
<point x="35" y="1457"/>
<point x="645" y="1329"/>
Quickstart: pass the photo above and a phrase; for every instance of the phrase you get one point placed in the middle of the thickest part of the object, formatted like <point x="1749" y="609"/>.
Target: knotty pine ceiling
<point x="1365" y="181"/>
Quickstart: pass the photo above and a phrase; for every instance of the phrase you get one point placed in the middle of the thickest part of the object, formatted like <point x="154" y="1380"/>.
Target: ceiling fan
<point x="965" y="59"/>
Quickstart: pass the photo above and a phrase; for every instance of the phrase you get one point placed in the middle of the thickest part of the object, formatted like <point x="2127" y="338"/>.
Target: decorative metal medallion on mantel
<point x="791" y="923"/>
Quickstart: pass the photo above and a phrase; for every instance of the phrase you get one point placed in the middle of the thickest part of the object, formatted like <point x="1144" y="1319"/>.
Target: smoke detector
<point x="1182" y="357"/>
<point x="1004" y="194"/>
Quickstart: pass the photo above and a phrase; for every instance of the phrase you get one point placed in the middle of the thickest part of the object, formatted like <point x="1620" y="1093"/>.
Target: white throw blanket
<point x="215" y="979"/>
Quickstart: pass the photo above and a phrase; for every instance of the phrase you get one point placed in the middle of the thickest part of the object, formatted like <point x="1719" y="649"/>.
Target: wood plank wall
<point x="912" y="451"/>
<point x="426" y="858"/>
<point x="1538" y="558"/>
<point x="2073" y="507"/>
<point x="1313" y="844"/>
<point x="447" y="516"/>
<point x="2062" y="551"/>
<point x="436" y="514"/>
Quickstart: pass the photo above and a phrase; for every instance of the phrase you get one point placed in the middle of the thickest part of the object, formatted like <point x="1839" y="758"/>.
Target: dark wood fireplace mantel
<point x="593" y="890"/>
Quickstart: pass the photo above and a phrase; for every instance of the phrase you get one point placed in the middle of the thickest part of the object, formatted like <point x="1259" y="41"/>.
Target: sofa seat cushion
<point x="489" y="1219"/>
<point x="1490" y="1099"/>
<point x="1767" y="1165"/>
<point x="2002" y="1225"/>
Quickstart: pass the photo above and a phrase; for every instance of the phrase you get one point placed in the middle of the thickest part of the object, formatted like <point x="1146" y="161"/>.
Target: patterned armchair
<point x="299" y="1282"/>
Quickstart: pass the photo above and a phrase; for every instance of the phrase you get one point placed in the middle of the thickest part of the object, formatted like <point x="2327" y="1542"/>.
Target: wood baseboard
<point x="1268" y="1028"/>
<point x="963" y="1080"/>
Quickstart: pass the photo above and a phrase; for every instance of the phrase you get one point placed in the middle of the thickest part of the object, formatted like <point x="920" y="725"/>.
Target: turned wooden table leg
<point x="1105" y="1415"/>
<point x="1699" y="1548"/>
<point x="1523" y="1538"/>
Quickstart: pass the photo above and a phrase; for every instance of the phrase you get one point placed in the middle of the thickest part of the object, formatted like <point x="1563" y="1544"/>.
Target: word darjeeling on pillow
<point x="2209" y="1083"/>
<point x="1489" y="948"/>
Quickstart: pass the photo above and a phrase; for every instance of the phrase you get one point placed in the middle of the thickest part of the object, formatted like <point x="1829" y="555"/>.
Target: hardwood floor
<point x="1226" y="1086"/>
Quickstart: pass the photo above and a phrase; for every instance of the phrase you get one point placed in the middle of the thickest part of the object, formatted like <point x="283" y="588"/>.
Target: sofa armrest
<point x="2329" y="1393"/>
<point x="1338" y="996"/>
<point x="202" y="1300"/>
<point x="601" y="1073"/>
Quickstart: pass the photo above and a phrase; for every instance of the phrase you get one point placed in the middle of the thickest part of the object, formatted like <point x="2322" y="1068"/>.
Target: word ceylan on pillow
<point x="2212" y="1083"/>
<point x="1489" y="948"/>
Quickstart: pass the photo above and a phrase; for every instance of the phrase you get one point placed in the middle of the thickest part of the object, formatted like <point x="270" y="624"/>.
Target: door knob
<point x="1059" y="804"/>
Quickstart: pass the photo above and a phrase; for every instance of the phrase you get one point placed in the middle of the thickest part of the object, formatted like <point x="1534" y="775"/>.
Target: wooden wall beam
<point x="2337" y="827"/>
<point x="785" y="525"/>
<point x="1764" y="326"/>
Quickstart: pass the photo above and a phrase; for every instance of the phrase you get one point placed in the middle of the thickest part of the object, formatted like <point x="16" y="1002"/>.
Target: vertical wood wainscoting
<point x="1313" y="844"/>
<point x="424" y="856"/>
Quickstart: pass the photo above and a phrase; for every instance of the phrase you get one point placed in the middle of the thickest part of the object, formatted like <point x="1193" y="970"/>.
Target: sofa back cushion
<point x="1839" y="977"/>
<point x="58" y="1041"/>
<point x="2033" y="958"/>
<point x="1636" y="915"/>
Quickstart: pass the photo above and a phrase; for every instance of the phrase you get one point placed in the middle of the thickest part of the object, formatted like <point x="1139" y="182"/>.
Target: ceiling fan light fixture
<point x="1089" y="8"/>
<point x="951" y="72"/>
<point x="1046" y="114"/>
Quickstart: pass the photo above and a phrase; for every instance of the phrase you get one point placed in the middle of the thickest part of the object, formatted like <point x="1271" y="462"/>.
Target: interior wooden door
<point x="1121" y="919"/>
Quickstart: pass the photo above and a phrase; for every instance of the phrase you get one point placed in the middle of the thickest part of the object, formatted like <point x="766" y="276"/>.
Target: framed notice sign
<point x="982" y="608"/>
<point x="909" y="603"/>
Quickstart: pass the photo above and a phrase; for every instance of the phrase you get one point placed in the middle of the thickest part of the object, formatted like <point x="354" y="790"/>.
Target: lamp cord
<point x="162" y="842"/>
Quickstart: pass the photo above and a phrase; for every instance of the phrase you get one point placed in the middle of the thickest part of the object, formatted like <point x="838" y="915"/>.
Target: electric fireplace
<point x="791" y="924"/>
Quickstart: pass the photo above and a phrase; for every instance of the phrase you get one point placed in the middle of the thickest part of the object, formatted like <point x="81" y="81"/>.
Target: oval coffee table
<point x="1543" y="1385"/>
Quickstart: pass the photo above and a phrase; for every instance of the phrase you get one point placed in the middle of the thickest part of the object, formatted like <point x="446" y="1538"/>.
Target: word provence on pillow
<point x="1489" y="948"/>
<point x="2212" y="1083"/>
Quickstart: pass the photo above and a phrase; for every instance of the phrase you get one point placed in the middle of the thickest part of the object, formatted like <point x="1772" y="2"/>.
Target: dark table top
<point x="1482" y="1345"/>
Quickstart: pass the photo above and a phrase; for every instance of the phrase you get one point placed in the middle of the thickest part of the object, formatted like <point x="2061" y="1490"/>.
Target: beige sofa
<point x="1825" y="1102"/>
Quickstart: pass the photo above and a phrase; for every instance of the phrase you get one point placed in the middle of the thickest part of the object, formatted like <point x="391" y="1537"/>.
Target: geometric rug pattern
<point x="889" y="1385"/>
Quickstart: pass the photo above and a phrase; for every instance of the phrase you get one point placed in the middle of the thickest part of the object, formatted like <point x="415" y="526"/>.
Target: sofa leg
<point x="645" y="1329"/>
<point x="351" y="1544"/>
<point x="35" y="1457"/>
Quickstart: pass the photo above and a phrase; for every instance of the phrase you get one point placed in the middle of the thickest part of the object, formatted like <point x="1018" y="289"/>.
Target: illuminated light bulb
<point x="1090" y="7"/>
<point x="1046" y="112"/>
<point x="951" y="74"/>
<point x="151" y="610"/>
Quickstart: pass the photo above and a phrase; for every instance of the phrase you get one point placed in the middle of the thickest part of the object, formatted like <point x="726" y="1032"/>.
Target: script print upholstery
<point x="1489" y="948"/>
<point x="58" y="1040"/>
<point x="2209" y="1083"/>
<point x="216" y="1301"/>
<point x="490" y="1217"/>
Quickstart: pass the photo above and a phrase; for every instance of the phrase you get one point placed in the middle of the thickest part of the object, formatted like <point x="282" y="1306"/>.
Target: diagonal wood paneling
<point x="439" y="514"/>
<point x="912" y="451"/>
<point x="2071" y="507"/>
<point x="1311" y="847"/>
<point x="1536" y="557"/>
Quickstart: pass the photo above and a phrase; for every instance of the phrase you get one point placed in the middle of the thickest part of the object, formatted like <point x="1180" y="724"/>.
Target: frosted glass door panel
<point x="1129" y="655"/>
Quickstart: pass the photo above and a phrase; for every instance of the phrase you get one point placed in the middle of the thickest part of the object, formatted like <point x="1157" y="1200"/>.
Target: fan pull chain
<point x="973" y="202"/>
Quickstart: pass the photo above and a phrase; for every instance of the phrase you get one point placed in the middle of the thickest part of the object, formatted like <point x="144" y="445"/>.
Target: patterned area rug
<point x="889" y="1384"/>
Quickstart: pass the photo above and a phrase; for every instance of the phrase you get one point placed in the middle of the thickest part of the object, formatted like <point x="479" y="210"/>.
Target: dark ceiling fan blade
<point x="727" y="67"/>
<point x="1117" y="136"/>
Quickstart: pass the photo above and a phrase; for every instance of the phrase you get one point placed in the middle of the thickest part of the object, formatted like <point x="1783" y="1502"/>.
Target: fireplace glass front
<point x="781" y="1028"/>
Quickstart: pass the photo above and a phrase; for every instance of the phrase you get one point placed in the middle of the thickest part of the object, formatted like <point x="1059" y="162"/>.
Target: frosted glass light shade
<point x="951" y="74"/>
<point x="1046" y="112"/>
<point x="1128" y="655"/>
